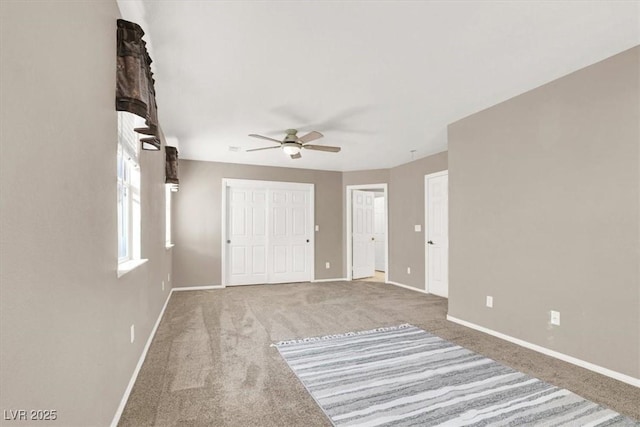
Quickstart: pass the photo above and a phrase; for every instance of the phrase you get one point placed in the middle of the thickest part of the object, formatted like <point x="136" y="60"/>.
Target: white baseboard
<point x="339" y="279"/>
<point x="197" y="288"/>
<point x="411" y="288"/>
<point x="127" y="392"/>
<point x="573" y="360"/>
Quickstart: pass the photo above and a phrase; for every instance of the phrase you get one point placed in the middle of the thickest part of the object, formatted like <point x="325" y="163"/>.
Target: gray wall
<point x="197" y="221"/>
<point x="406" y="202"/>
<point x="375" y="176"/>
<point x="64" y="316"/>
<point x="544" y="215"/>
<point x="405" y="185"/>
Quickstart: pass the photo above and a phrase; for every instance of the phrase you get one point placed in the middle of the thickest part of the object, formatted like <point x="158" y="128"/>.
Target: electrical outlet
<point x="163" y="285"/>
<point x="327" y="265"/>
<point x="417" y="228"/>
<point x="555" y="317"/>
<point x="133" y="333"/>
<point x="489" y="301"/>
<point x="168" y="277"/>
<point x="317" y="228"/>
<point x="408" y="270"/>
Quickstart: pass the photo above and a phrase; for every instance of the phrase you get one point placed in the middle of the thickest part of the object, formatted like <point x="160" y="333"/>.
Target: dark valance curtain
<point x="171" y="166"/>
<point x="135" y="92"/>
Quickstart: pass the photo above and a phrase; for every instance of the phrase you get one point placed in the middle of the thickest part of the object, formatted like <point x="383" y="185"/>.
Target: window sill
<point x="125" y="267"/>
<point x="169" y="246"/>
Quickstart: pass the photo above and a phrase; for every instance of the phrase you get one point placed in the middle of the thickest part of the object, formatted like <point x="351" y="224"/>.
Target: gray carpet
<point x="404" y="376"/>
<point x="211" y="363"/>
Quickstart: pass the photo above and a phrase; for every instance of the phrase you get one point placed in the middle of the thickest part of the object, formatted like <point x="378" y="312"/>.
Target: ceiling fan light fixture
<point x="290" y="148"/>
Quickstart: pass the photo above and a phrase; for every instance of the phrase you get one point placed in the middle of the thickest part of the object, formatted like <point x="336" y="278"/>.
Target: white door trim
<point x="426" y="225"/>
<point x="223" y="232"/>
<point x="251" y="183"/>
<point x="349" y="219"/>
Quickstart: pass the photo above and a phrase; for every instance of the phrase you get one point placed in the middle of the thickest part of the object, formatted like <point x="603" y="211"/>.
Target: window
<point x="167" y="209"/>
<point x="128" y="188"/>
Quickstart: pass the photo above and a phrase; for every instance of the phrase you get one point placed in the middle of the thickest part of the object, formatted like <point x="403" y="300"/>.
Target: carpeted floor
<point x="211" y="363"/>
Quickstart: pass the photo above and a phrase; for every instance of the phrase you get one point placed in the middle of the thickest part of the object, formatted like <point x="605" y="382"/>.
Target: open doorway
<point x="380" y="235"/>
<point x="367" y="245"/>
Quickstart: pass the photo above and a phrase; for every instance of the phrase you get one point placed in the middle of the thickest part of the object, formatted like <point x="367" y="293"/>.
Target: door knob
<point x="430" y="242"/>
<point x="373" y="238"/>
<point x="307" y="240"/>
<point x="228" y="241"/>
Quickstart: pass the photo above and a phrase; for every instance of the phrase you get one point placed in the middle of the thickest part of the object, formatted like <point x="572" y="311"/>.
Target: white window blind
<point x="128" y="138"/>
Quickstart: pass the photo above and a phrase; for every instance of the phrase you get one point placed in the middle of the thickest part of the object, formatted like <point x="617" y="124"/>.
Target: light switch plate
<point x="417" y="228"/>
<point x="555" y="317"/>
<point x="317" y="228"/>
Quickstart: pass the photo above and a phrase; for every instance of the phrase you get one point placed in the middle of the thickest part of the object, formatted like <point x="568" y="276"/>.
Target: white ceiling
<point x="378" y="78"/>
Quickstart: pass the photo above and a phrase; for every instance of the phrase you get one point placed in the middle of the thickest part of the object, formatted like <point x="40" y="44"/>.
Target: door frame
<point x="253" y="183"/>
<point x="426" y="226"/>
<point x="349" y="212"/>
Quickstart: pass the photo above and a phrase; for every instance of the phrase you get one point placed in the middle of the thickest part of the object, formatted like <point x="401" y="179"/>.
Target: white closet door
<point x="246" y="236"/>
<point x="289" y="239"/>
<point x="363" y="234"/>
<point x="268" y="232"/>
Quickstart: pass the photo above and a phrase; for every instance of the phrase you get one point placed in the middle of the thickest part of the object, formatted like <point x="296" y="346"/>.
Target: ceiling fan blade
<point x="322" y="148"/>
<point x="265" y="148"/>
<point x="311" y="136"/>
<point x="265" y="137"/>
<point x="296" y="156"/>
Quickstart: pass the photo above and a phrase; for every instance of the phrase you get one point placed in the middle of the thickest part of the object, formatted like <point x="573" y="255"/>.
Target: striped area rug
<point x="404" y="376"/>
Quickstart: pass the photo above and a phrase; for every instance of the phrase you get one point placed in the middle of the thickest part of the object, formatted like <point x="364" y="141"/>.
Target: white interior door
<point x="379" y="234"/>
<point x="246" y="236"/>
<point x="363" y="234"/>
<point x="289" y="240"/>
<point x="269" y="232"/>
<point x="437" y="233"/>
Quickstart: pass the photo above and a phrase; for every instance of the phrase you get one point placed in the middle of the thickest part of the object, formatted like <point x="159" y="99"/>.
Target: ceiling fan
<point x="292" y="144"/>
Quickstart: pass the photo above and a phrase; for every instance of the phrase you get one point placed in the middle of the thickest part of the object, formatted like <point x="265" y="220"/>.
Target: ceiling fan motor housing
<point x="291" y="136"/>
